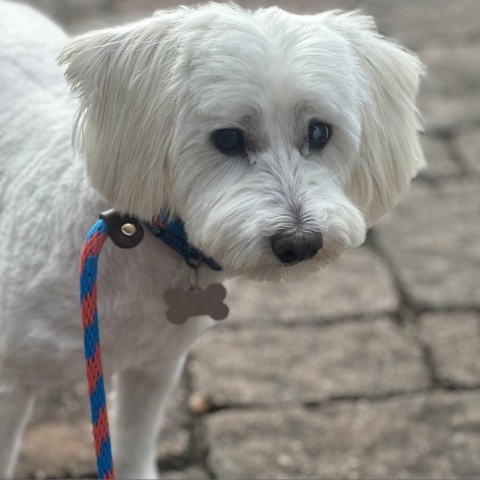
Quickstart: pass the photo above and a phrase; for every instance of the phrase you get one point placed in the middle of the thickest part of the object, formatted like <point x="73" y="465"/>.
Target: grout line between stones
<point x="319" y="322"/>
<point x="449" y="137"/>
<point x="456" y="155"/>
<point x="342" y="399"/>
<point x="406" y="309"/>
<point x="198" y="448"/>
<point x="407" y="315"/>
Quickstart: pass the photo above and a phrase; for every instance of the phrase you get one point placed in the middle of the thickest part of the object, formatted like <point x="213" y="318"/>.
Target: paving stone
<point x="306" y="364"/>
<point x="449" y="93"/>
<point x="424" y="23"/>
<point x="438" y="157"/>
<point x="453" y="70"/>
<point x="448" y="114"/>
<point x="132" y="7"/>
<point x="468" y="144"/>
<point x="357" y="283"/>
<point x="57" y="449"/>
<point x="454" y="343"/>
<point x="420" y="437"/>
<point x="72" y="12"/>
<point x="64" y="403"/>
<point x="115" y="12"/>
<point x="58" y="439"/>
<point x="428" y="22"/>
<point x="432" y="240"/>
<point x="191" y="473"/>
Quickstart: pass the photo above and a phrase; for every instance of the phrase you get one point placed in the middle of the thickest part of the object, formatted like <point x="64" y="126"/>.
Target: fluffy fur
<point x="147" y="98"/>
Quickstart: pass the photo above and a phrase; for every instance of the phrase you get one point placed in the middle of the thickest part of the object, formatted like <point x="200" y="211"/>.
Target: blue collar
<point x="173" y="234"/>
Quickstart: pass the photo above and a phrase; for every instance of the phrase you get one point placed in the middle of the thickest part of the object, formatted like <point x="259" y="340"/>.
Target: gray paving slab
<point x="190" y="473"/>
<point x="426" y="22"/>
<point x="307" y="364"/>
<point x="57" y="449"/>
<point x="449" y="113"/>
<point x="129" y="7"/>
<point x="452" y="70"/>
<point x="59" y="443"/>
<point x="439" y="159"/>
<point x="78" y="16"/>
<point x="421" y="437"/>
<point x="73" y="12"/>
<point x="65" y="402"/>
<point x="453" y="340"/>
<point x="431" y="238"/>
<point x="468" y="146"/>
<point x="357" y="283"/>
<point x="449" y="94"/>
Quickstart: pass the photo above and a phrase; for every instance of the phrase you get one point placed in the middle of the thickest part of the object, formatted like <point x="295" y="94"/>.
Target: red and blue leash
<point x="91" y="340"/>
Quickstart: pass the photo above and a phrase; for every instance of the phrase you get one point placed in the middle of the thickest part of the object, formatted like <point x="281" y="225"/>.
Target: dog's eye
<point x="319" y="134"/>
<point x="229" y="140"/>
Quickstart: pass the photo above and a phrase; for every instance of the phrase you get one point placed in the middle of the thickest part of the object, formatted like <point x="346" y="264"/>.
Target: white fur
<point x="149" y="96"/>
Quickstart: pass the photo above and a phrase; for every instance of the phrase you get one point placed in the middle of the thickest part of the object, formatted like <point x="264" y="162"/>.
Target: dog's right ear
<point x="124" y="80"/>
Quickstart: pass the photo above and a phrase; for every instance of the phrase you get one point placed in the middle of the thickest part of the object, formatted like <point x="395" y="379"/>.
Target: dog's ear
<point x="123" y="79"/>
<point x="390" y="149"/>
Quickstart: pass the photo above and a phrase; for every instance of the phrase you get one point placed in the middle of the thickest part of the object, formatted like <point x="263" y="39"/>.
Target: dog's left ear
<point x="390" y="151"/>
<point x="123" y="78"/>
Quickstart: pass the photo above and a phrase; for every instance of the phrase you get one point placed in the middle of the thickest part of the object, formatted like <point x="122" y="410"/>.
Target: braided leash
<point x="91" y="339"/>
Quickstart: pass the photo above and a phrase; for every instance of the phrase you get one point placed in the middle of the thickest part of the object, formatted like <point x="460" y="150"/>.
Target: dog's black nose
<point x="291" y="248"/>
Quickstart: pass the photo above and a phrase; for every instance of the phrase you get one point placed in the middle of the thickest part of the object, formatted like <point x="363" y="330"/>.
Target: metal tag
<point x="184" y="304"/>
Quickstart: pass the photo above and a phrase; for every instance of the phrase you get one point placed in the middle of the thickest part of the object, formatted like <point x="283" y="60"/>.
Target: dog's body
<point x="166" y="77"/>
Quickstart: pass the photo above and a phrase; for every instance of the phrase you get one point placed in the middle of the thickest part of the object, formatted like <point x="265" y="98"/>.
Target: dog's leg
<point x="140" y="399"/>
<point x="15" y="406"/>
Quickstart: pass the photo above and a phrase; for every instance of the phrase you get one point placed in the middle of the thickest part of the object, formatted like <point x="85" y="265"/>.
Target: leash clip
<point x="124" y="230"/>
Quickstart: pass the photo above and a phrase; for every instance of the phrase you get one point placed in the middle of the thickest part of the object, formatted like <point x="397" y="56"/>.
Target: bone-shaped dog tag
<point x="184" y="304"/>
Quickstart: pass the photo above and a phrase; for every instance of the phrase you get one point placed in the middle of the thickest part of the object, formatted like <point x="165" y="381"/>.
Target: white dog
<point x="276" y="138"/>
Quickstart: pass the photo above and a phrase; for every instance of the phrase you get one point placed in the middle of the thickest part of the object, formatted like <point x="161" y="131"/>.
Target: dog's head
<point x="277" y="138"/>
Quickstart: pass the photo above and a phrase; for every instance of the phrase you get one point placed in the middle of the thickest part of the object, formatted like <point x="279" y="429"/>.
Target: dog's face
<point x="277" y="138"/>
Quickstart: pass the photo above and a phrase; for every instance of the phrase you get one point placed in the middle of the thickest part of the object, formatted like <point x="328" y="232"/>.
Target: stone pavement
<point x="370" y="370"/>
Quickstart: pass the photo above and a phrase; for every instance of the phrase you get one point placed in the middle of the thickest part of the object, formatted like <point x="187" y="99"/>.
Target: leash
<point x="91" y="343"/>
<point x="126" y="232"/>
